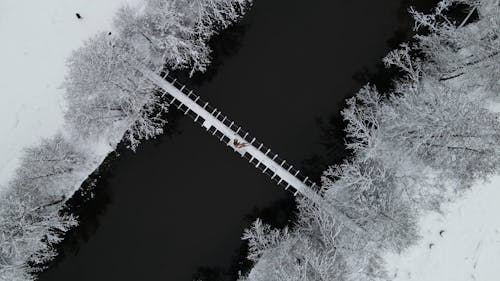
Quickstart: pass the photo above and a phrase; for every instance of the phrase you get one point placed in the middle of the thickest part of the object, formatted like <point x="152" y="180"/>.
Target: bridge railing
<point x="240" y="132"/>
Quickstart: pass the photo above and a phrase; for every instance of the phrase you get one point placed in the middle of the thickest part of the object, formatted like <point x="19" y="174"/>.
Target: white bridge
<point x="243" y="143"/>
<point x="228" y="132"/>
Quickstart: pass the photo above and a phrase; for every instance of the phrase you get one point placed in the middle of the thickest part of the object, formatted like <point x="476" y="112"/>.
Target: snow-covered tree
<point x="176" y="33"/>
<point x="363" y="117"/>
<point x="48" y="166"/>
<point x="30" y="221"/>
<point x="106" y="92"/>
<point x="309" y="252"/>
<point x="208" y="16"/>
<point x="160" y="34"/>
<point x="29" y="228"/>
<point x="445" y="127"/>
<point x="457" y="47"/>
<point x="261" y="237"/>
<point x="372" y="195"/>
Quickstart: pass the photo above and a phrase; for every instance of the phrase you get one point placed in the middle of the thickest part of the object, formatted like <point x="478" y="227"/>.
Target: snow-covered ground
<point x="460" y="244"/>
<point x="37" y="37"/>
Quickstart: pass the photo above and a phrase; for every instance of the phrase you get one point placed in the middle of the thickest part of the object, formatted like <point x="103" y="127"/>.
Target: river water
<point x="182" y="201"/>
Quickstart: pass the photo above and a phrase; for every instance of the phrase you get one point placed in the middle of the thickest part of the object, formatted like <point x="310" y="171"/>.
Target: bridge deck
<point x="226" y="130"/>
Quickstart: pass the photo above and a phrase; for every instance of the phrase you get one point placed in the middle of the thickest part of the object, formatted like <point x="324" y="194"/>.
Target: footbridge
<point x="232" y="135"/>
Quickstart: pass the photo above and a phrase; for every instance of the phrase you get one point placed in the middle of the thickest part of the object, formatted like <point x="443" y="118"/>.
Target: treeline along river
<point x="181" y="202"/>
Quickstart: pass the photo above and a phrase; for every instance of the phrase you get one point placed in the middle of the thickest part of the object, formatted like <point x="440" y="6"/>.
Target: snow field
<point x="37" y="37"/>
<point x="460" y="244"/>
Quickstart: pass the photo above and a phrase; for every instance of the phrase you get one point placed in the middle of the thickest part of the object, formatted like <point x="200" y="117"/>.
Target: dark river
<point x="182" y="201"/>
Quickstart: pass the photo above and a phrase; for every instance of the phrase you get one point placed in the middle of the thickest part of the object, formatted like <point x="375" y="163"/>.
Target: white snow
<point x="37" y="37"/>
<point x="469" y="247"/>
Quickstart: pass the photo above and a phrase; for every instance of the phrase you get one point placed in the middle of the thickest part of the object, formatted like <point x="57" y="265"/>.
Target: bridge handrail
<point x="237" y="129"/>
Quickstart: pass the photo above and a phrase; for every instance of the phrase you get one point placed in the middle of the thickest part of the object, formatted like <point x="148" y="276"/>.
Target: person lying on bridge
<point x="238" y="144"/>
